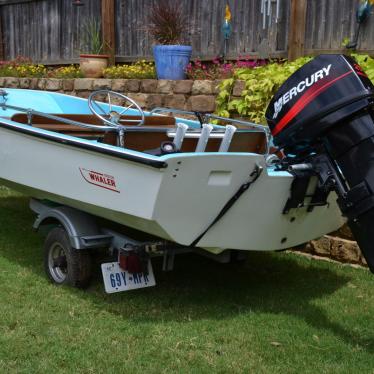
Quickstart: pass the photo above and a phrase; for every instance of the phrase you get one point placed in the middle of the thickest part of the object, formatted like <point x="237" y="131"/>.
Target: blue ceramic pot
<point x="171" y="60"/>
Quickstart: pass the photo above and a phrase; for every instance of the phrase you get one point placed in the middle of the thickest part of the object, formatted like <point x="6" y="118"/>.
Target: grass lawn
<point x="278" y="313"/>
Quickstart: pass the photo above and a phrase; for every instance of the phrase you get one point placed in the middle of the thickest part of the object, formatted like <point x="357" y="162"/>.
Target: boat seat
<point x="242" y="141"/>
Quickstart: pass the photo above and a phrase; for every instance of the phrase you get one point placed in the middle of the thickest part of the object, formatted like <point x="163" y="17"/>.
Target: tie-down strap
<point x="244" y="187"/>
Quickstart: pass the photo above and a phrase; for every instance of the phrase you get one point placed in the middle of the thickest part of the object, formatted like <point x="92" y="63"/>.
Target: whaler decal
<point x="300" y="87"/>
<point x="99" y="179"/>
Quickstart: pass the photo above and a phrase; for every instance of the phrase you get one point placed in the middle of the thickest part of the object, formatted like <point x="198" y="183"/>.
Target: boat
<point x="207" y="182"/>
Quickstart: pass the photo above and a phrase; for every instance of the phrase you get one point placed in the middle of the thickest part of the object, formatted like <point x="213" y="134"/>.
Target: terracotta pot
<point x="92" y="66"/>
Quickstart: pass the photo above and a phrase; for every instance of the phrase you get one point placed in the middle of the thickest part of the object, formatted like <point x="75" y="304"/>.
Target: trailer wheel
<point x="63" y="264"/>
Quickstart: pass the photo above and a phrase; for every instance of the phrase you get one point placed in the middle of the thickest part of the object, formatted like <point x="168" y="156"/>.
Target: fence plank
<point x="297" y="29"/>
<point x="108" y="28"/>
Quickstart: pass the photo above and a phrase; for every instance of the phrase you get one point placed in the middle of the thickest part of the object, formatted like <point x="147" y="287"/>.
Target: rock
<point x="239" y="86"/>
<point x="83" y="84"/>
<point x="102" y="84"/>
<point x="11" y="82"/>
<point x="2" y="82"/>
<point x="216" y="85"/>
<point x="362" y="260"/>
<point x="117" y="101"/>
<point x="24" y="82"/>
<point x="165" y="86"/>
<point x="41" y="84"/>
<point x="140" y="98"/>
<point x="53" y="84"/>
<point x="118" y="85"/>
<point x="183" y="87"/>
<point x="83" y="94"/>
<point x="307" y="248"/>
<point x="202" y="103"/>
<point x="148" y="85"/>
<point x="68" y="85"/>
<point x="202" y="87"/>
<point x="153" y="101"/>
<point x="131" y="85"/>
<point x="345" y="250"/>
<point x="175" y="101"/>
<point x="338" y="249"/>
<point x="34" y="83"/>
<point x="321" y="246"/>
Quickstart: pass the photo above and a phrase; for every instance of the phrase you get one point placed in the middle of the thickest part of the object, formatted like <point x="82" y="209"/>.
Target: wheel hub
<point x="57" y="263"/>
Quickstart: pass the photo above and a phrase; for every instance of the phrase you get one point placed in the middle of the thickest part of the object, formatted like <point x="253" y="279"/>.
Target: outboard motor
<point x="322" y="118"/>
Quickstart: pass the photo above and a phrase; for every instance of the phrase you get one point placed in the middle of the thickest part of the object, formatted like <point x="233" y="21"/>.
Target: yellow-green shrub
<point x="66" y="72"/>
<point x="139" y="70"/>
<point x="260" y="85"/>
<point x="367" y="63"/>
<point x="23" y="70"/>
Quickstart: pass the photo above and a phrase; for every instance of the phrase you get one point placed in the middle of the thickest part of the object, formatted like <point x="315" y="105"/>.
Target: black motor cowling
<point x="324" y="115"/>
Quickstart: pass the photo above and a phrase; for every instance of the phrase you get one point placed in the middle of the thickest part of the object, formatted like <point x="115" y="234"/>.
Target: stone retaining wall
<point x="187" y="95"/>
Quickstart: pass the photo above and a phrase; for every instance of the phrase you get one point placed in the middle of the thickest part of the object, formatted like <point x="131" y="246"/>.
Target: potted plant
<point x="167" y="23"/>
<point x="92" y="62"/>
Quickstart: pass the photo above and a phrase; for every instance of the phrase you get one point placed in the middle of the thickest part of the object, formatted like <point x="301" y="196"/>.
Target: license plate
<point x="117" y="279"/>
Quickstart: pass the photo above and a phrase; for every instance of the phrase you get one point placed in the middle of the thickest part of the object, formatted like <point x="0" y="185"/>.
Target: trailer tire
<point x="64" y="264"/>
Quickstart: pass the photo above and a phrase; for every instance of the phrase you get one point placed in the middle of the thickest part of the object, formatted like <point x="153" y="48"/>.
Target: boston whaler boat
<point x="108" y="175"/>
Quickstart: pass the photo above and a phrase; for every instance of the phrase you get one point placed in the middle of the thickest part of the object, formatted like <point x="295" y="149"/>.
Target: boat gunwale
<point x="77" y="142"/>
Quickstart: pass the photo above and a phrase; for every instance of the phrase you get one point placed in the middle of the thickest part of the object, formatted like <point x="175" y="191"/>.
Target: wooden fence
<point x="205" y="19"/>
<point x="48" y="31"/>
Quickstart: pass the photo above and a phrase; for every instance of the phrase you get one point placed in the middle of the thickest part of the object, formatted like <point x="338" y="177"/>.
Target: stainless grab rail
<point x="208" y="116"/>
<point x="263" y="128"/>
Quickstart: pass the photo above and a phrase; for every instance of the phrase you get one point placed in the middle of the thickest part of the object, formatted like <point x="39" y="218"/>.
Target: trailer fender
<point x="81" y="227"/>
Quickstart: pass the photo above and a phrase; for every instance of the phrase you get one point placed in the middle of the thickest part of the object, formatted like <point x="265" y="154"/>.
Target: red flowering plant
<point x="218" y="69"/>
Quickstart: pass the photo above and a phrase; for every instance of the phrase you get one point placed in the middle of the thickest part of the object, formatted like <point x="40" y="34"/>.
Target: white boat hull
<point x="177" y="202"/>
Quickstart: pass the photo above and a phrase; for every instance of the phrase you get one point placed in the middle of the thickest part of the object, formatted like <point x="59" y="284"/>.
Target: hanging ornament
<point x="226" y="30"/>
<point x="266" y="11"/>
<point x="226" y="27"/>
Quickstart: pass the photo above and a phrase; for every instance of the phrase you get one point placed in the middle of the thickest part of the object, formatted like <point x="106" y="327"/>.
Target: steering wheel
<point x="108" y="115"/>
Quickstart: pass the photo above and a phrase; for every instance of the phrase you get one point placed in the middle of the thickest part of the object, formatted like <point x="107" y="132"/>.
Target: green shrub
<point x="261" y="83"/>
<point x="367" y="64"/>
